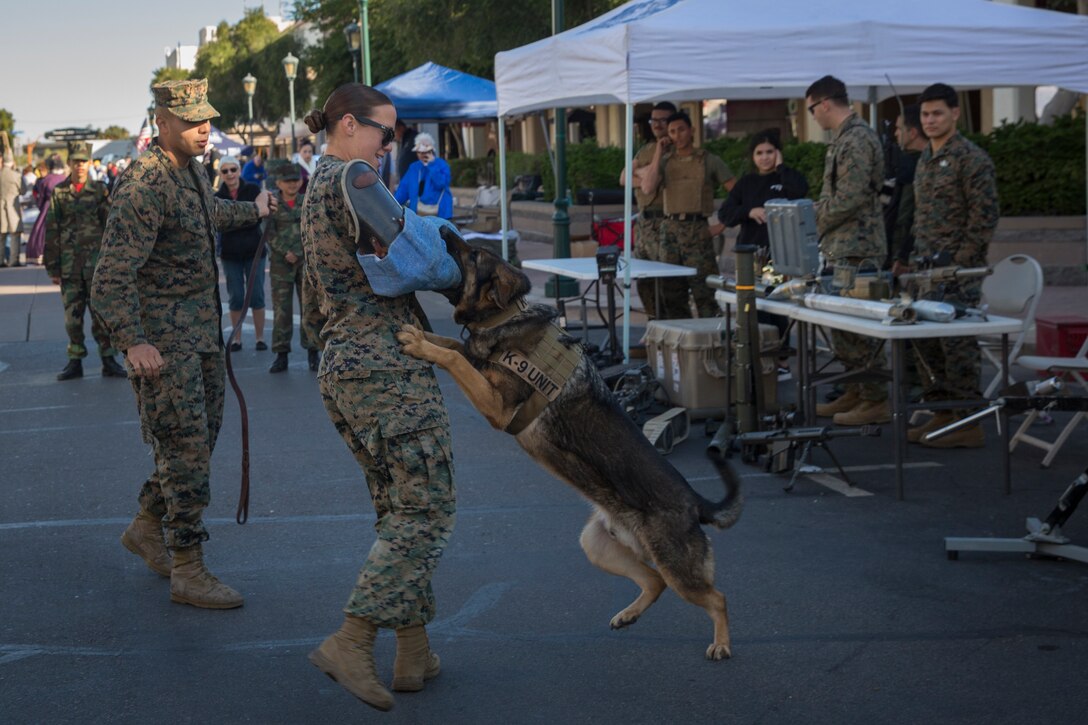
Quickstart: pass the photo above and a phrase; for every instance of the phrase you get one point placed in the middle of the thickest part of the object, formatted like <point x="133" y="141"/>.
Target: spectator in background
<point x="43" y="194"/>
<point x="405" y="139"/>
<point x="237" y="249"/>
<point x="425" y="189"/>
<point x="10" y="186"/>
<point x="306" y="158"/>
<point x="254" y="172"/>
<point x="771" y="179"/>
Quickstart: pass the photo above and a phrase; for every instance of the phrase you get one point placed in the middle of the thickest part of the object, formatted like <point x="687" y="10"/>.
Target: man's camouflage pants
<point x="647" y="239"/>
<point x="286" y="287"/>
<point x="396" y="425"/>
<point x="859" y="352"/>
<point x="687" y="243"/>
<point x="951" y="367"/>
<point x="75" y="292"/>
<point x="181" y="412"/>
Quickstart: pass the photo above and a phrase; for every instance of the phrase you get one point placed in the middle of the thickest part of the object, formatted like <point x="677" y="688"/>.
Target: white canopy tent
<point x="649" y="50"/>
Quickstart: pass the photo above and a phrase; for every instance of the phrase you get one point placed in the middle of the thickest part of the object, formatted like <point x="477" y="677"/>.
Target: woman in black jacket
<point x="771" y="180"/>
<point x="237" y="249"/>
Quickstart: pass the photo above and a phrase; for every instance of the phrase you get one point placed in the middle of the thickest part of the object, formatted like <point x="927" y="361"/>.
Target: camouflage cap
<point x="284" y="169"/>
<point x="188" y="100"/>
<point x="79" y="151"/>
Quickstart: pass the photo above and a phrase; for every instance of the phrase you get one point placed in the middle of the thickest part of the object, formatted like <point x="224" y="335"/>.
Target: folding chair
<point x="1072" y="369"/>
<point x="1013" y="290"/>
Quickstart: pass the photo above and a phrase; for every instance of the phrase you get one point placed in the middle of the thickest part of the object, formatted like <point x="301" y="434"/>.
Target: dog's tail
<point x="724" y="513"/>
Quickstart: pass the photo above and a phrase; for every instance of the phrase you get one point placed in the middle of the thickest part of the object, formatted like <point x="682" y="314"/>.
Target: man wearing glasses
<point x="156" y="287"/>
<point x="651" y="209"/>
<point x="850" y="221"/>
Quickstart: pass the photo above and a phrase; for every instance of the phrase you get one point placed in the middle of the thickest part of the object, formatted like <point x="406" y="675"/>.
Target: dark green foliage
<point x="1040" y="169"/>
<point x="588" y="167"/>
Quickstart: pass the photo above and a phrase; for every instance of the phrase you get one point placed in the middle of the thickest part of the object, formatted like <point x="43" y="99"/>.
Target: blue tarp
<point x="222" y="143"/>
<point x="435" y="93"/>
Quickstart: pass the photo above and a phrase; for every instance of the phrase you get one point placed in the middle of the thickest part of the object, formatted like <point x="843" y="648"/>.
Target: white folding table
<point x="898" y="335"/>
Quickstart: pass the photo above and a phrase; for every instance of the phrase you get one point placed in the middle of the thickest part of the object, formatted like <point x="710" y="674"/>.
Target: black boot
<point x="314" y="358"/>
<point x="74" y="369"/>
<point x="112" y="369"/>
<point x="279" y="364"/>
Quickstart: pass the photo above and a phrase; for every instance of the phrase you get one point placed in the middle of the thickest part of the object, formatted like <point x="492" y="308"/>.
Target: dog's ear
<point x="504" y="287"/>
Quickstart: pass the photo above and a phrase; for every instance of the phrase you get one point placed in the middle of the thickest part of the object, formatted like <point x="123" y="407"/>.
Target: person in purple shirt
<point x="43" y="193"/>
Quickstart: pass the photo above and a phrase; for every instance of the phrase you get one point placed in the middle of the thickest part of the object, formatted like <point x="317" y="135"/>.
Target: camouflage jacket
<point x="358" y="325"/>
<point x="849" y="216"/>
<point x="157" y="281"/>
<point x="74" y="226"/>
<point x="955" y="202"/>
<point x="286" y="233"/>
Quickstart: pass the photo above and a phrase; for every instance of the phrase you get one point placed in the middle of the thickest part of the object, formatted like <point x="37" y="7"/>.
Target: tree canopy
<point x="461" y="34"/>
<point x="114" y="133"/>
<point x="7" y="121"/>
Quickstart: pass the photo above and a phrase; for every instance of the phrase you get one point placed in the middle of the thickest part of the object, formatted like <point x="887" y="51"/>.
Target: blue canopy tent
<point x="222" y="143"/>
<point x="433" y="92"/>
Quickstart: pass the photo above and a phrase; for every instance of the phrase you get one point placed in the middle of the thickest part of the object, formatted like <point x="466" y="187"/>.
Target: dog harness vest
<point x="546" y="367"/>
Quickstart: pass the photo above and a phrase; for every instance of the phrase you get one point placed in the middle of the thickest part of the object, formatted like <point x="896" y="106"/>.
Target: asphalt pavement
<point x="844" y="609"/>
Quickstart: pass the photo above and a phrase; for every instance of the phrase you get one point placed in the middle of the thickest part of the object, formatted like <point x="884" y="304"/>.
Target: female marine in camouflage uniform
<point x="388" y="408"/>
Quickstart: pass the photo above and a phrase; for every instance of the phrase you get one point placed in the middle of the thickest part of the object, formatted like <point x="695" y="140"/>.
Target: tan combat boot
<point x="415" y="661"/>
<point x="192" y="583"/>
<point x="867" y="412"/>
<point x="939" y="420"/>
<point x="144" y="538"/>
<point x="841" y="404"/>
<point x="969" y="437"/>
<point x="347" y="657"/>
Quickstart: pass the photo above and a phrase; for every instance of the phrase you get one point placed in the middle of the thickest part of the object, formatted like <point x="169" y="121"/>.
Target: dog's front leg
<point x="447" y="342"/>
<point x="473" y="384"/>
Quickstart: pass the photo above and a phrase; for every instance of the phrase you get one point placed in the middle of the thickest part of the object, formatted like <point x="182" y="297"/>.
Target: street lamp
<point x="352" y="33"/>
<point x="249" y="83"/>
<point x="290" y="69"/>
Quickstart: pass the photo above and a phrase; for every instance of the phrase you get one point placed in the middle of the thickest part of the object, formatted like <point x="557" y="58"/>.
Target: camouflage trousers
<point x="859" y="352"/>
<point x="395" y="424"/>
<point x="951" y="367"/>
<point x="647" y="238"/>
<point x="287" y="286"/>
<point x="687" y="243"/>
<point x="181" y="412"/>
<point x="75" y="292"/>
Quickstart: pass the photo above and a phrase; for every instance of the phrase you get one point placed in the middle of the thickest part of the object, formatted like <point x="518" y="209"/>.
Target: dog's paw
<point x="718" y="652"/>
<point x="623" y="619"/>
<point x="411" y="340"/>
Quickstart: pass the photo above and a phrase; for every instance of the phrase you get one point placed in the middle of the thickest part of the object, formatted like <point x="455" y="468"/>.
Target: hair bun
<point x="316" y="120"/>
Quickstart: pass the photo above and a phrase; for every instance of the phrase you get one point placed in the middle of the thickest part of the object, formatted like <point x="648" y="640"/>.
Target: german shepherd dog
<point x="646" y="519"/>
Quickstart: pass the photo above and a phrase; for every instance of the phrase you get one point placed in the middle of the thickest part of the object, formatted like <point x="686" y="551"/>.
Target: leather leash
<point x="242" y="514"/>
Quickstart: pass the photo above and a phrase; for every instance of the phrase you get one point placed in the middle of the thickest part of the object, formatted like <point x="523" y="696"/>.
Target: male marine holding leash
<point x="157" y="288"/>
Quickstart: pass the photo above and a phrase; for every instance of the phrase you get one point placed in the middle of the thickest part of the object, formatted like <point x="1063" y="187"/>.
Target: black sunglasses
<point x="825" y="98"/>
<point x="387" y="133"/>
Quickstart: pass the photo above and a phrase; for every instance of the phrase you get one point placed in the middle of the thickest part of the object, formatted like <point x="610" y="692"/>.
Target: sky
<point x="89" y="63"/>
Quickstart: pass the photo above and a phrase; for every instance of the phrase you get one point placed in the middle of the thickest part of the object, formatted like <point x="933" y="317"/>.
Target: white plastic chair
<point x="1013" y="290"/>
<point x="1073" y="370"/>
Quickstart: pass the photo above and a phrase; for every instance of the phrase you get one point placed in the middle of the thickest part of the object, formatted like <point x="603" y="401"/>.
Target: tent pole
<point x="628" y="154"/>
<point x="872" y="107"/>
<point x="503" y="204"/>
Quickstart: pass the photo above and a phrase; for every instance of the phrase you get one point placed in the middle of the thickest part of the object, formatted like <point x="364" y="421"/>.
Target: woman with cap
<point x="388" y="408"/>
<point x="425" y="188"/>
<point x="237" y="249"/>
